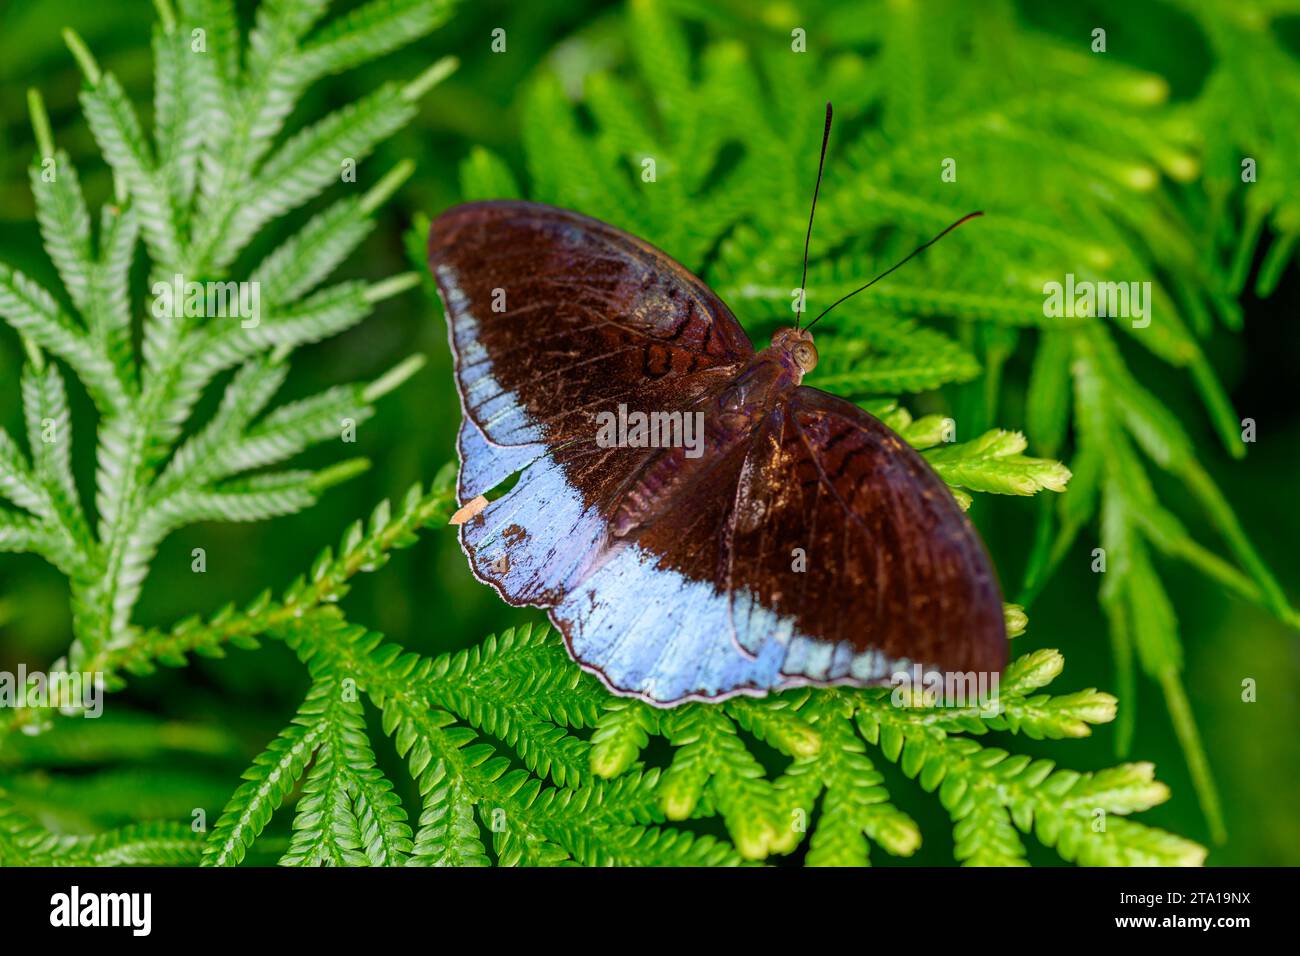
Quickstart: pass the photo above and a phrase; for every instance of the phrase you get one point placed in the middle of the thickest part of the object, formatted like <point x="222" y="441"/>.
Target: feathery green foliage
<point x="22" y="843"/>
<point x="559" y="794"/>
<point x="197" y="192"/>
<point x="210" y="179"/>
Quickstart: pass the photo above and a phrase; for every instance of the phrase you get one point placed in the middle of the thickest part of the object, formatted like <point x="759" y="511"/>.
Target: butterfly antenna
<point x="821" y="164"/>
<point x="918" y="250"/>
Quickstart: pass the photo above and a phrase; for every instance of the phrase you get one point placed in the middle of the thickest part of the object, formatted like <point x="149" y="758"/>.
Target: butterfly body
<point x="796" y="541"/>
<point x="732" y="417"/>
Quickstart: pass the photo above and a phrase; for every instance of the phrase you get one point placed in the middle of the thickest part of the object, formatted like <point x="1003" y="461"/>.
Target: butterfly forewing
<point x="554" y="316"/>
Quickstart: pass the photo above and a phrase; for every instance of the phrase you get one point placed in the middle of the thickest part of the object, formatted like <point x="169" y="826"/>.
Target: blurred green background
<point x="426" y="597"/>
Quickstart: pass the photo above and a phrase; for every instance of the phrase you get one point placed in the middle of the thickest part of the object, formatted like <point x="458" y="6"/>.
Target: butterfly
<point x="797" y="539"/>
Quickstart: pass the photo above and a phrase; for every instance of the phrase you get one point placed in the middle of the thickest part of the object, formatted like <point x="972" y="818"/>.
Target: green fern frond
<point x="198" y="191"/>
<point x="24" y="843"/>
<point x="347" y="814"/>
<point x="472" y="798"/>
<point x="268" y="782"/>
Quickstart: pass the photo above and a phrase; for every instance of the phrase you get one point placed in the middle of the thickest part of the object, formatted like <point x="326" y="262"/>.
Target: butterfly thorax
<point x="770" y="374"/>
<point x="730" y="418"/>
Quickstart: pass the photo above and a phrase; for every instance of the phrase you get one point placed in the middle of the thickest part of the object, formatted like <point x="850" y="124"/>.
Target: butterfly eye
<point x="805" y="354"/>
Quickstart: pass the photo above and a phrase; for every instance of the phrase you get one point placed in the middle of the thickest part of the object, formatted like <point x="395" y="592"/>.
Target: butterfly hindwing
<point x="820" y="550"/>
<point x="841" y="527"/>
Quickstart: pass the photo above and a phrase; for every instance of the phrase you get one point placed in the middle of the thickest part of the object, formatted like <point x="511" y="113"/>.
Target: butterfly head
<point x="798" y="345"/>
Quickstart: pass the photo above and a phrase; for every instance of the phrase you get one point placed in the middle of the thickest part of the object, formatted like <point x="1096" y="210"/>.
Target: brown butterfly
<point x="777" y="536"/>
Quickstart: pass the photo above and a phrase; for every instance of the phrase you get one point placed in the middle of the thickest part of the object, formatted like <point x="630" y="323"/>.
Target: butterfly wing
<point x="650" y="618"/>
<point x="552" y="315"/>
<point x="824" y="550"/>
<point x="841" y="529"/>
<point x="553" y="318"/>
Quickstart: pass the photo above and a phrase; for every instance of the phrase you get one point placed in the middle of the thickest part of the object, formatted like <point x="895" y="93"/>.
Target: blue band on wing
<point x="646" y="630"/>
<point x="498" y="412"/>
<point x="485" y="464"/>
<point x="650" y="631"/>
<point x="535" y="543"/>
